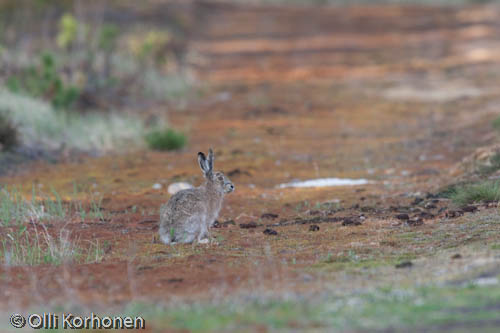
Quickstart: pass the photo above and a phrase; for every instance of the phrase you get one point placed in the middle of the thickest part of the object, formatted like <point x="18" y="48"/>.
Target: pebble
<point x="176" y="187"/>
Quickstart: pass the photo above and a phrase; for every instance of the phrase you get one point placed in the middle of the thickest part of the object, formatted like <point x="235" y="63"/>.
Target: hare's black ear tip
<point x="200" y="154"/>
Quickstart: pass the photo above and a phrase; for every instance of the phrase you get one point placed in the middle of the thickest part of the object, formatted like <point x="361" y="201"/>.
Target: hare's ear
<point x="203" y="162"/>
<point x="210" y="159"/>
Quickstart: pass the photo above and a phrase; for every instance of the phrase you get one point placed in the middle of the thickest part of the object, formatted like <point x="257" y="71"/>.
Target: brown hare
<point x="189" y="213"/>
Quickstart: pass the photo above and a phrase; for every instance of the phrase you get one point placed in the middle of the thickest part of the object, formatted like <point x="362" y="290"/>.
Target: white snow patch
<point x="326" y="182"/>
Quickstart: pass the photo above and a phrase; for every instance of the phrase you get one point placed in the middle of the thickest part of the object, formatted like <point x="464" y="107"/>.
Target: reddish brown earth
<point x="397" y="95"/>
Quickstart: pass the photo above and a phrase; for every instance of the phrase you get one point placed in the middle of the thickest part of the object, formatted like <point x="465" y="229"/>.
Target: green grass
<point x="23" y="247"/>
<point x="425" y="308"/>
<point x="18" y="246"/>
<point x="496" y="124"/>
<point x="166" y="139"/>
<point x="467" y="194"/>
<point x="15" y="209"/>
<point x="491" y="167"/>
<point x="41" y="127"/>
<point x="384" y="308"/>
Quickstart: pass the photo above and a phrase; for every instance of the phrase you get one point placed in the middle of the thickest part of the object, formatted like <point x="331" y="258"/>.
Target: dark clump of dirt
<point x="269" y="216"/>
<point x="404" y="264"/>
<point x="425" y="215"/>
<point x="318" y="219"/>
<point x="224" y="224"/>
<point x="238" y="172"/>
<point x="469" y="209"/>
<point x="351" y="221"/>
<point x="249" y="225"/>
<point x="456" y="256"/>
<point x="415" y="222"/>
<point x="314" y="227"/>
<point x="454" y="213"/>
<point x="260" y="112"/>
<point x="270" y="232"/>
<point x="403" y="216"/>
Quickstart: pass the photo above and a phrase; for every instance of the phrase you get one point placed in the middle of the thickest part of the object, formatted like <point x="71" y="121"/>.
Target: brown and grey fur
<point x="189" y="214"/>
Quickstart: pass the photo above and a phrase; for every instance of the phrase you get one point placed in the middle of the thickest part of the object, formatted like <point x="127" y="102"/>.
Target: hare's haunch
<point x="189" y="214"/>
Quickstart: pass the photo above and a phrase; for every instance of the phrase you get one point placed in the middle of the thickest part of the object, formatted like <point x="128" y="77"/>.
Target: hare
<point x="189" y="213"/>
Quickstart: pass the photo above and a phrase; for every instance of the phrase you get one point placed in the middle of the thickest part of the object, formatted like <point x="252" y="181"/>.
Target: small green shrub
<point x="485" y="191"/>
<point x="43" y="81"/>
<point x="8" y="133"/>
<point x="166" y="139"/>
<point x="496" y="124"/>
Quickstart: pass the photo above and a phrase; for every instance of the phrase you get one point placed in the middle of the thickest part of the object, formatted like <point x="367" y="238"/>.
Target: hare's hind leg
<point x="166" y="236"/>
<point x="165" y="239"/>
<point x="191" y="229"/>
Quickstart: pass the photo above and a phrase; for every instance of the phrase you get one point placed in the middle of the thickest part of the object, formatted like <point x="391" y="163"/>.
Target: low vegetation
<point x="496" y="123"/>
<point x="40" y="126"/>
<point x="166" y="139"/>
<point x="492" y="166"/>
<point x="385" y="308"/>
<point x="20" y="245"/>
<point x="484" y="191"/>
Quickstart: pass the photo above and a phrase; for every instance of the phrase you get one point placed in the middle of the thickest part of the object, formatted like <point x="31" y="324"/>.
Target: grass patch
<point x="467" y="194"/>
<point x="41" y="127"/>
<point x="23" y="247"/>
<point x="166" y="139"/>
<point x="15" y="209"/>
<point x="384" y="308"/>
<point x="496" y="123"/>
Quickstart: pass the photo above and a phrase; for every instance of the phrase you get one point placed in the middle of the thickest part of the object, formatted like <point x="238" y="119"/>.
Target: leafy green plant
<point x="68" y="28"/>
<point x="44" y="81"/>
<point x="165" y="139"/>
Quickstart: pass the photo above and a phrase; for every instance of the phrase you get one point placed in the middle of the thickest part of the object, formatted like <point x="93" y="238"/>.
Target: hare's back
<point x="185" y="202"/>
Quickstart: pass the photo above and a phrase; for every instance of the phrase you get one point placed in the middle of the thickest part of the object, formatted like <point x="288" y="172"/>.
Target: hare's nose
<point x="231" y="186"/>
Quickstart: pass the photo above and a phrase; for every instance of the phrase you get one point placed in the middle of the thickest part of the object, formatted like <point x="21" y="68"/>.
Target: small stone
<point x="157" y="186"/>
<point x="456" y="256"/>
<point x="176" y="187"/>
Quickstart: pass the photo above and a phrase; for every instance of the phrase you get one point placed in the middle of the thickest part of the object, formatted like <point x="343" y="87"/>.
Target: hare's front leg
<point x="203" y="235"/>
